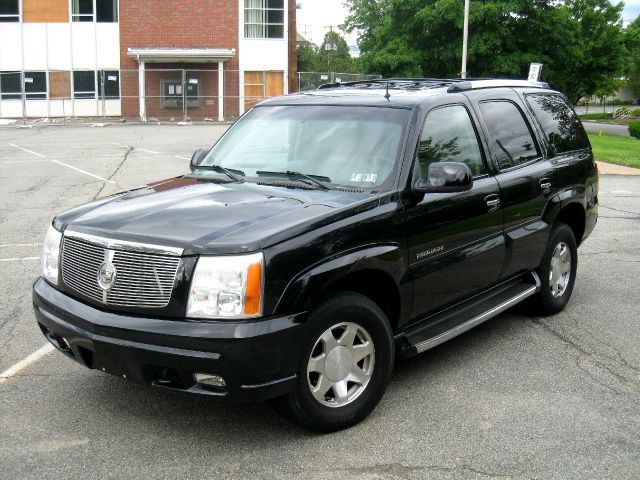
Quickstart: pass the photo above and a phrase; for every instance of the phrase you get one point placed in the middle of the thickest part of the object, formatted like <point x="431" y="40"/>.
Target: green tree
<point x="307" y="57"/>
<point x="578" y="41"/>
<point x="632" y="42"/>
<point x="333" y="55"/>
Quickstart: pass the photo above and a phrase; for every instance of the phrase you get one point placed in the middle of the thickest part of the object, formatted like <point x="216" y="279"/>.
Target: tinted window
<point x="513" y="142"/>
<point x="448" y="136"/>
<point x="562" y="127"/>
<point x="10" y="86"/>
<point x="35" y="85"/>
<point x="84" y="84"/>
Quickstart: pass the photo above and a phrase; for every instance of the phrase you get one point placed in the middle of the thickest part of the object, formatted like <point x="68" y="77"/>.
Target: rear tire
<point x="557" y="271"/>
<point x="347" y="360"/>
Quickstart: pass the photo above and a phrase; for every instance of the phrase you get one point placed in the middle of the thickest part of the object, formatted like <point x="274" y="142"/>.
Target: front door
<point x="456" y="245"/>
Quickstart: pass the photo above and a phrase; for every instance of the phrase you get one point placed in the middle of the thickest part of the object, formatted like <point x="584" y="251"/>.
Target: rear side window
<point x="559" y="122"/>
<point x="448" y="136"/>
<point x="511" y="136"/>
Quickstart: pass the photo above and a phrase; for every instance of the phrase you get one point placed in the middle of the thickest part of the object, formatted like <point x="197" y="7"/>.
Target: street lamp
<point x="465" y="39"/>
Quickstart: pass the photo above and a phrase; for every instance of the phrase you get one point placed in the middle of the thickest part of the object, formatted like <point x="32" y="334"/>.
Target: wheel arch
<point x="375" y="272"/>
<point x="573" y="214"/>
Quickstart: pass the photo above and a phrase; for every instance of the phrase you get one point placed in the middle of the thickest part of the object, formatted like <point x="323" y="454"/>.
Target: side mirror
<point x="197" y="157"/>
<point x="444" y="177"/>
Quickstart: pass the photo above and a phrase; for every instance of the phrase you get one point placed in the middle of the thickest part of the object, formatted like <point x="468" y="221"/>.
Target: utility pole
<point x="465" y="39"/>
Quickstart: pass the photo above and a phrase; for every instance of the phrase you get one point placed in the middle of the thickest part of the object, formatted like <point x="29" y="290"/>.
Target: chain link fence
<point x="312" y="80"/>
<point x="154" y="94"/>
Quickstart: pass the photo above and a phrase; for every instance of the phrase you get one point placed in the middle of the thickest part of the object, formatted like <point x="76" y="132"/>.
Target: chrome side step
<point x="480" y="318"/>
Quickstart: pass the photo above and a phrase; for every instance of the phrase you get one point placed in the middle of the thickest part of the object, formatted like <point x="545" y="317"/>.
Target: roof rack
<point x="452" y="84"/>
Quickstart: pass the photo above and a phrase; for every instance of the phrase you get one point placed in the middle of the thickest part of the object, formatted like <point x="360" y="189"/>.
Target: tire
<point x="557" y="277"/>
<point x="336" y="388"/>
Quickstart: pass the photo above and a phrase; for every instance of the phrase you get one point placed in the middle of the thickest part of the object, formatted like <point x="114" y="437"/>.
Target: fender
<point x="304" y="290"/>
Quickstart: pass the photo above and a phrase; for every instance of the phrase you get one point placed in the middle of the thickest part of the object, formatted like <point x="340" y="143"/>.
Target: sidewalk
<point x="612" y="169"/>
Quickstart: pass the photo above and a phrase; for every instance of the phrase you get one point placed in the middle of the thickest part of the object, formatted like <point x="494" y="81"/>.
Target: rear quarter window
<point x="561" y="126"/>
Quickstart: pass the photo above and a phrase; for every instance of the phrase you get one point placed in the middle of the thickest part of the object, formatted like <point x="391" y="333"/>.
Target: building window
<point x="84" y="85"/>
<point x="263" y="18"/>
<point x="35" y="85"/>
<point x="10" y="86"/>
<point x="94" y="10"/>
<point x="109" y="82"/>
<point x="174" y="93"/>
<point x="9" y="10"/>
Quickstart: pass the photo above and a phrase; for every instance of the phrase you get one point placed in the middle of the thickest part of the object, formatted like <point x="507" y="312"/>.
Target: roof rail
<point x="453" y="84"/>
<point x="493" y="83"/>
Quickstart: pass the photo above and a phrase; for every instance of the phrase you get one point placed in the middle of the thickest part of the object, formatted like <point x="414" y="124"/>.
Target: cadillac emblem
<point x="107" y="276"/>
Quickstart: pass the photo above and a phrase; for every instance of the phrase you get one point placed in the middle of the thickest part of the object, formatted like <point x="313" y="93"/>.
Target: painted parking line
<point x="27" y="150"/>
<point x="5" y="245"/>
<point x="18" y="259"/>
<point x="22" y="364"/>
<point x="62" y="164"/>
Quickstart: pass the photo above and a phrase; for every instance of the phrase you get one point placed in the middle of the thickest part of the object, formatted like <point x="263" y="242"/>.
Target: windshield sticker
<point x="364" y="177"/>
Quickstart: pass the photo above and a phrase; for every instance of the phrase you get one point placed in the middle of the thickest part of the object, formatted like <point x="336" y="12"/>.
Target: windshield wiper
<point x="230" y="172"/>
<point x="319" y="180"/>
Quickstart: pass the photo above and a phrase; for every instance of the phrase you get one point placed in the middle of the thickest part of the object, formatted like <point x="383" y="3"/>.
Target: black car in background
<point x="324" y="235"/>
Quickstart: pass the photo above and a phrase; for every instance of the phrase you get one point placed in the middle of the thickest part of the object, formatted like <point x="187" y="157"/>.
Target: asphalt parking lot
<point x="519" y="397"/>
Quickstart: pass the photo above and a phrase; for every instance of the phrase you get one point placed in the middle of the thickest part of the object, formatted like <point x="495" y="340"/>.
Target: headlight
<point x="51" y="255"/>
<point x="228" y="287"/>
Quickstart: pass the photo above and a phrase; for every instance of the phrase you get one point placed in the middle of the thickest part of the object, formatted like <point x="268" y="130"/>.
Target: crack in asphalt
<point x="596" y="357"/>
<point x="401" y="471"/>
<point x="118" y="167"/>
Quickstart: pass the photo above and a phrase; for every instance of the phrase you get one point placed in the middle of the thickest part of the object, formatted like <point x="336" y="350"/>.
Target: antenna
<point x="387" y="95"/>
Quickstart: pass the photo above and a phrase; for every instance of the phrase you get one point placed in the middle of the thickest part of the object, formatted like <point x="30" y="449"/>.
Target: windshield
<point x="348" y="146"/>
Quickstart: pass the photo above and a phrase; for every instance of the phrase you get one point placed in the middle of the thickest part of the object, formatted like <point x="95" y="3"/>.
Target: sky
<point x="316" y="16"/>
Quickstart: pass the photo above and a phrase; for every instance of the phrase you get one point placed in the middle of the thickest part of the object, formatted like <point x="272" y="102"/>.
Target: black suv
<point x="324" y="235"/>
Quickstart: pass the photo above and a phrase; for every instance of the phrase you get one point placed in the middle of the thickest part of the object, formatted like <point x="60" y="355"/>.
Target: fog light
<point x="209" y="380"/>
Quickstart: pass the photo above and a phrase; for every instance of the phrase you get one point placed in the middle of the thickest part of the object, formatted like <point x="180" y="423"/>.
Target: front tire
<point x="557" y="271"/>
<point x="347" y="360"/>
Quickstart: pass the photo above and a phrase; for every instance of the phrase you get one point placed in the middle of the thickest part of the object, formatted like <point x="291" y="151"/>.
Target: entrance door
<point x="261" y="85"/>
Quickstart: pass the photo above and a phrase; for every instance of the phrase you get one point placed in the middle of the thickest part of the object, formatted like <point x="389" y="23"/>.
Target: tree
<point x="334" y="54"/>
<point x="307" y="57"/>
<point x="632" y="42"/>
<point x="578" y="41"/>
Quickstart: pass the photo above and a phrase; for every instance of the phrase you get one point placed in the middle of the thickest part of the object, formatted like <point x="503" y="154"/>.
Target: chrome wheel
<point x="340" y="364"/>
<point x="560" y="270"/>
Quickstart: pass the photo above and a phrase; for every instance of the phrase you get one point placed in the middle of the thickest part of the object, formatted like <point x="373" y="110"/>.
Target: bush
<point x="635" y="112"/>
<point x="634" y="129"/>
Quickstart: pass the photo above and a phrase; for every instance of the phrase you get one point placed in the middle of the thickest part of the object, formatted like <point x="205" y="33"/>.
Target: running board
<point x="478" y="310"/>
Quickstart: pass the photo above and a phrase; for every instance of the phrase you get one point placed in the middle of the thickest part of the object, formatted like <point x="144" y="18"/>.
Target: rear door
<point x="456" y="246"/>
<point x="524" y="174"/>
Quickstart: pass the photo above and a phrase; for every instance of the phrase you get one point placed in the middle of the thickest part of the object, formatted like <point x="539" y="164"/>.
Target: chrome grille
<point x="142" y="279"/>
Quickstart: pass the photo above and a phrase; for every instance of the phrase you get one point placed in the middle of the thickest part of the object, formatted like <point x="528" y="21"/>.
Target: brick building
<point x="144" y="58"/>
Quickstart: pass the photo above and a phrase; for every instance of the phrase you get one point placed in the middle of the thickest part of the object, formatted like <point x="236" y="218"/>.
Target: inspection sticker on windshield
<point x="364" y="177"/>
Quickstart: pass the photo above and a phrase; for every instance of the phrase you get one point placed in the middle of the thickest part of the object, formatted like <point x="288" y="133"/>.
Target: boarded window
<point x="59" y="85"/>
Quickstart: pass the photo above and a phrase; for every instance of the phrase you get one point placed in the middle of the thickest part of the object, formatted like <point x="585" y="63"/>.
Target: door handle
<point x="545" y="184"/>
<point x="493" y="202"/>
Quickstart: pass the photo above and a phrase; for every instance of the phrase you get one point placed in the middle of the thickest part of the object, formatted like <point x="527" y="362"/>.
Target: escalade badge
<point x="106" y="276"/>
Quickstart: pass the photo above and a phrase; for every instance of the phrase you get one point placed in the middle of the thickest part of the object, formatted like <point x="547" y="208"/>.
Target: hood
<point x="201" y="216"/>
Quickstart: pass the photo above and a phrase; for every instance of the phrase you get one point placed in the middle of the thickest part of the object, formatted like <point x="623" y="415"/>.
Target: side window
<point x="512" y="139"/>
<point x="559" y="122"/>
<point x="448" y="136"/>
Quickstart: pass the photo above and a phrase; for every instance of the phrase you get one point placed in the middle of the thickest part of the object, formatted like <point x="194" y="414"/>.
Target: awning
<point x="182" y="55"/>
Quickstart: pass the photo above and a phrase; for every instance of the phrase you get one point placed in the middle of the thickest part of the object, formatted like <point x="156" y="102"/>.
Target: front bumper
<point x="258" y="360"/>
